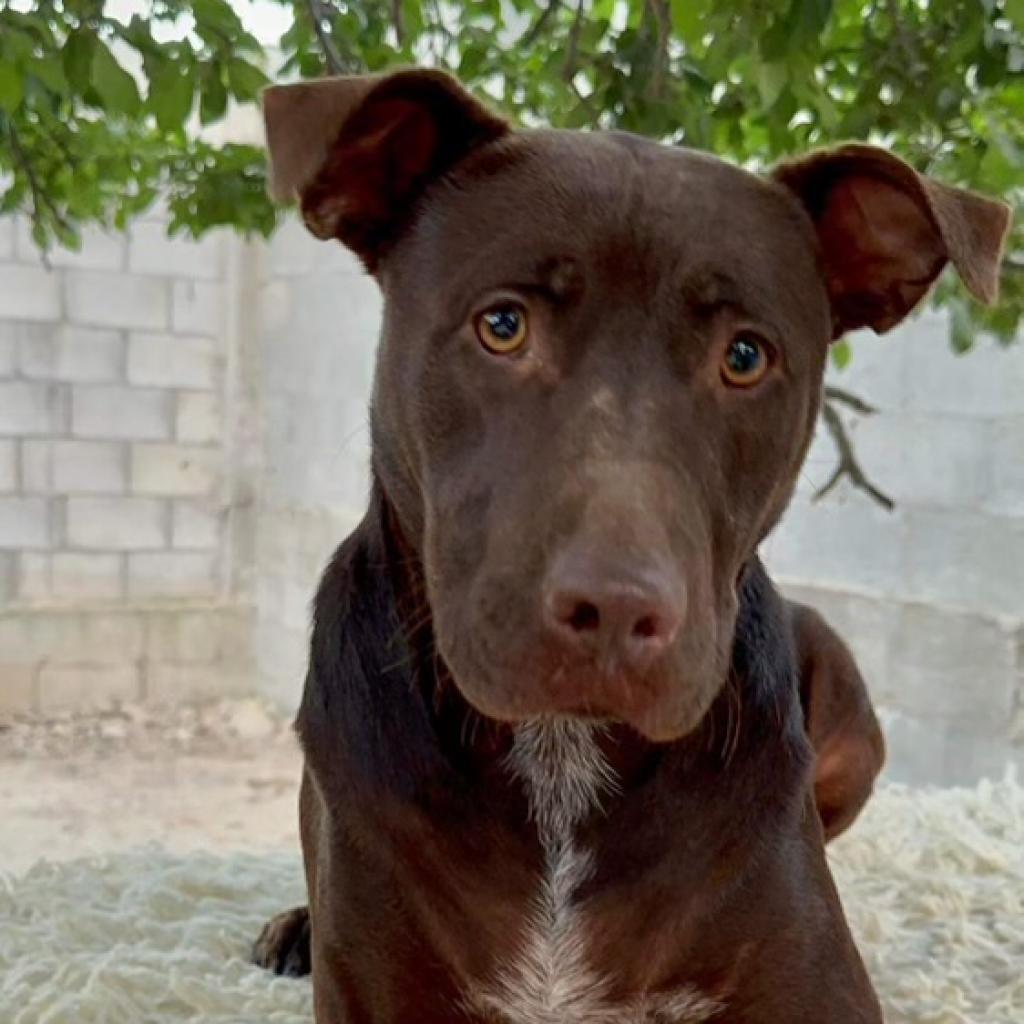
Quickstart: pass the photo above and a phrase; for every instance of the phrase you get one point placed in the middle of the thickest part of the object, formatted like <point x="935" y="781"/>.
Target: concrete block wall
<point x="183" y="429"/>
<point x="117" y="485"/>
<point x="930" y="595"/>
<point x="318" y="317"/>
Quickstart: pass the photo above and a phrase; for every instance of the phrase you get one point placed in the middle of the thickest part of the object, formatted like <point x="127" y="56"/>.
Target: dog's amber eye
<point x="502" y="329"/>
<point x="746" y="360"/>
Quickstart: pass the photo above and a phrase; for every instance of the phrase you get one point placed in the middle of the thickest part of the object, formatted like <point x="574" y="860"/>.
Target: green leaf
<point x="171" y="90"/>
<point x="77" y="58"/>
<point x="771" y="80"/>
<point x="841" y="354"/>
<point x="213" y="100"/>
<point x="245" y="79"/>
<point x="961" y="327"/>
<point x="1002" y="166"/>
<point x="12" y="87"/>
<point x="1015" y="12"/>
<point x="216" y="15"/>
<point x="115" y="87"/>
<point x="689" y="19"/>
<point x="50" y="71"/>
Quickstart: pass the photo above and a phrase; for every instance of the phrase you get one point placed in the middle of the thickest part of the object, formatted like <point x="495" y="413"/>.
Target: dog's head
<point x="600" y="369"/>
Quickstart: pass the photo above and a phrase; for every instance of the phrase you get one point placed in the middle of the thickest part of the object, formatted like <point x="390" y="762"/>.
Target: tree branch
<point x="572" y="49"/>
<point x="331" y="55"/>
<point x="399" y="23"/>
<point x="855" y="402"/>
<point x="532" y="34"/>
<point x="662" y="17"/>
<point x="40" y="197"/>
<point x="848" y="465"/>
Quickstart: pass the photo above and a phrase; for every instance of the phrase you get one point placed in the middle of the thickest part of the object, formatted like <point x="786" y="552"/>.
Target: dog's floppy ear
<point x="357" y="151"/>
<point x="886" y="232"/>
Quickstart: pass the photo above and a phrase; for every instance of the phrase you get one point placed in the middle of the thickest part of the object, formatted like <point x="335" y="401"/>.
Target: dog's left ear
<point x="886" y="232"/>
<point x="357" y="151"/>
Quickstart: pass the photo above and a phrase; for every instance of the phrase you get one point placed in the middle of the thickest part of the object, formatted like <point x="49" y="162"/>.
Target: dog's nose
<point x="621" y="616"/>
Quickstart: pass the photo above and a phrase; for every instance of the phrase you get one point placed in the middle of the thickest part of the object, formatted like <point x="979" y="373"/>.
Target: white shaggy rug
<point x="933" y="883"/>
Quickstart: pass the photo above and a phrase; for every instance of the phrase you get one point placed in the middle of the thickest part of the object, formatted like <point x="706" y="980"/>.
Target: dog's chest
<point x="550" y="979"/>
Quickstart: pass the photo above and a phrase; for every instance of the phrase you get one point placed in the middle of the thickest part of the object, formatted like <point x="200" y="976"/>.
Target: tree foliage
<point x="98" y="116"/>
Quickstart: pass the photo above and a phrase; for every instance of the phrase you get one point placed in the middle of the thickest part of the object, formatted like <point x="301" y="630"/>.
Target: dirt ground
<point x="216" y="776"/>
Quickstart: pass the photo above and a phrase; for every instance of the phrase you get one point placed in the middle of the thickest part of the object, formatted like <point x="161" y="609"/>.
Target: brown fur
<point x="606" y="469"/>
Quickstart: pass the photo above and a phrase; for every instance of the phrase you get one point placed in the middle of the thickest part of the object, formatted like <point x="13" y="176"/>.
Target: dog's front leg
<point x="848" y="744"/>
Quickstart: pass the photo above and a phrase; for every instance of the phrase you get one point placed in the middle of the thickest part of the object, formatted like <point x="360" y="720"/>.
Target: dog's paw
<point x="283" y="945"/>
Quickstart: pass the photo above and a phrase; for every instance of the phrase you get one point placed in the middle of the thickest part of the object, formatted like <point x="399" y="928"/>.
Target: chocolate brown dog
<point x="559" y="728"/>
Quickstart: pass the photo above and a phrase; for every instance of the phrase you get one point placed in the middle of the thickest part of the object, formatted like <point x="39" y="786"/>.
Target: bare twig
<point x="398" y="21"/>
<point x="572" y="48"/>
<point x="847" y="465"/>
<point x="855" y="402"/>
<point x="532" y="34"/>
<point x="331" y="55"/>
<point x="661" y="15"/>
<point x="40" y="198"/>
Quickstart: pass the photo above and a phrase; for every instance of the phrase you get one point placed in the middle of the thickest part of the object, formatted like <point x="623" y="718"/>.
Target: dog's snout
<point x="603" y="609"/>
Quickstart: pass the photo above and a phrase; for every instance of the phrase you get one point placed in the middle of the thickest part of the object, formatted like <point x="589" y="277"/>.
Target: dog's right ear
<point x="357" y="152"/>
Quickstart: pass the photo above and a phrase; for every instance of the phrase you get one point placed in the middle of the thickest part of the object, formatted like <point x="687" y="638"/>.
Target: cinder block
<point x="172" y="574"/>
<point x="198" y="417"/>
<point x="72" y="636"/>
<point x="24" y="522"/>
<point x="151" y="251"/>
<point x="85" y="577"/>
<point x="8" y="349"/>
<point x="174" y="469"/>
<point x="99" y="299"/>
<point x="36" y="466"/>
<point x="867" y="624"/>
<point x="845" y="542"/>
<point x="26" y="407"/>
<point x="987" y="382"/>
<point x="952" y="667"/>
<point x="926" y="752"/>
<point x="173" y="681"/>
<point x="198" y="637"/>
<point x="17" y="687"/>
<point x="62" y="687"/>
<point x="964" y="560"/>
<point x="33" y="576"/>
<point x="876" y="373"/>
<point x="198" y="307"/>
<point x="1007" y="453"/>
<point x="925" y="459"/>
<point x="89" y="467"/>
<point x="8" y="466"/>
<point x="291" y="252"/>
<point x="7" y="227"/>
<point x="68" y="353"/>
<point x="120" y="412"/>
<point x="8" y="576"/>
<point x="172" y="361"/>
<point x="100" y="250"/>
<point x="117" y="524"/>
<point x="195" y="526"/>
<point x="29" y="292"/>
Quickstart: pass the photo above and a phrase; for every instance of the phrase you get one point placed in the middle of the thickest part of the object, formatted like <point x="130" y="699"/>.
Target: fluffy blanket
<point x="933" y="883"/>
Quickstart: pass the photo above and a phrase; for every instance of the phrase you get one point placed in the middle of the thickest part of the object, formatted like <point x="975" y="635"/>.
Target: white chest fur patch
<point x="550" y="981"/>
